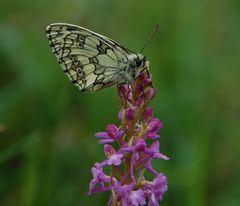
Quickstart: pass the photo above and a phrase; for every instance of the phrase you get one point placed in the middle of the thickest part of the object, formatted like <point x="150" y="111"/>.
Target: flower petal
<point x="106" y="141"/>
<point x="147" y="114"/>
<point x="102" y="135"/>
<point x="115" y="159"/>
<point x="111" y="130"/>
<point x="119" y="133"/>
<point x="109" y="150"/>
<point x="136" y="197"/>
<point x="129" y="114"/>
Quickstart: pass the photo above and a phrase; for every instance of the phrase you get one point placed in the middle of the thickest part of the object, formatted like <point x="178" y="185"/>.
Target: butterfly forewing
<point x="90" y="60"/>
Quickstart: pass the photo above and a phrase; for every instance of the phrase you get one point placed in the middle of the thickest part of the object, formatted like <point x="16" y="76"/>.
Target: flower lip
<point x="128" y="196"/>
<point x="113" y="157"/>
<point x="136" y="197"/>
<point x="158" y="187"/>
<point x="153" y="150"/>
<point x="154" y="125"/>
<point x="98" y="178"/>
<point x="123" y="190"/>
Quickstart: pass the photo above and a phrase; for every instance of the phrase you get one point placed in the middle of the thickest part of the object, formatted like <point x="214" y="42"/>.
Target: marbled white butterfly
<point x="93" y="61"/>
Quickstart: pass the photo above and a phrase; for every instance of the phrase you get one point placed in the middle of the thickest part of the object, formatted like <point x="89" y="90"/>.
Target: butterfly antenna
<point x="149" y="38"/>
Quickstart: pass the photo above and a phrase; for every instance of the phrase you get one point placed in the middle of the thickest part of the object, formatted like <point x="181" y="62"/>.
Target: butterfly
<point x="93" y="61"/>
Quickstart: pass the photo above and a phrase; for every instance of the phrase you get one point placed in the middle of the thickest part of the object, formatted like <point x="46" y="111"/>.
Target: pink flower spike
<point x="131" y="147"/>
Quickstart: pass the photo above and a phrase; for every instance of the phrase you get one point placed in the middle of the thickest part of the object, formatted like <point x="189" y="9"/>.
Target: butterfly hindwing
<point x="90" y="60"/>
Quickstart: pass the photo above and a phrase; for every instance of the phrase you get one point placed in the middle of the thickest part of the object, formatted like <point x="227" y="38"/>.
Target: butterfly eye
<point x="138" y="63"/>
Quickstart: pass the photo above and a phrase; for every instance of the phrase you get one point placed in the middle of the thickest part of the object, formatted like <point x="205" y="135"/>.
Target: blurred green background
<point x="47" y="143"/>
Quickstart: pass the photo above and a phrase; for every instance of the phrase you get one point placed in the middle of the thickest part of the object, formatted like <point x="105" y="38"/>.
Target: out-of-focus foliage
<point x="47" y="143"/>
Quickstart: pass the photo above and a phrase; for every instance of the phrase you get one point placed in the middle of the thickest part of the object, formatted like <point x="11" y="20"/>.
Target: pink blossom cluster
<point x="130" y="148"/>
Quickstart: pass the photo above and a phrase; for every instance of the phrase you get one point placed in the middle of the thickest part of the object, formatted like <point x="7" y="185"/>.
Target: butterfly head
<point x="138" y="65"/>
<point x="140" y="61"/>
